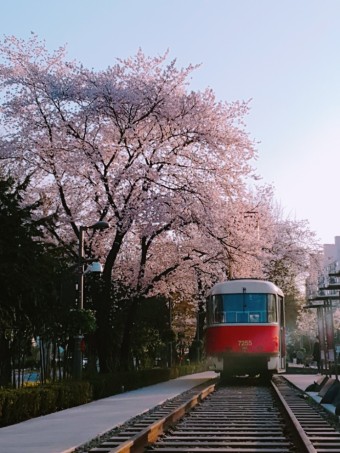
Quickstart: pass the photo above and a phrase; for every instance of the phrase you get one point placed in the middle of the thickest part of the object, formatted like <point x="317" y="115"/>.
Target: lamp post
<point x="77" y="359"/>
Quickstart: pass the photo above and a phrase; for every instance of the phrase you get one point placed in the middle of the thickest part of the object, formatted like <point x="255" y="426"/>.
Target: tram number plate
<point x="244" y="345"/>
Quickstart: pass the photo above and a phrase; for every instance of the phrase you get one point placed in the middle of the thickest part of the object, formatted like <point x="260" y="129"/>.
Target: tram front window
<point x="243" y="308"/>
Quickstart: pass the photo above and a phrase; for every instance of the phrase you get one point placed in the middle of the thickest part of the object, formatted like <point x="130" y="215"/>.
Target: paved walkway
<point x="62" y="432"/>
<point x="302" y="381"/>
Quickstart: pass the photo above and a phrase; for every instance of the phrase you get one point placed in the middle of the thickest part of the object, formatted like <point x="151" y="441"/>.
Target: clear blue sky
<point x="284" y="55"/>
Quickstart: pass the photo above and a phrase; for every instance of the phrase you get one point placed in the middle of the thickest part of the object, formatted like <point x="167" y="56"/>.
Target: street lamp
<point x="77" y="360"/>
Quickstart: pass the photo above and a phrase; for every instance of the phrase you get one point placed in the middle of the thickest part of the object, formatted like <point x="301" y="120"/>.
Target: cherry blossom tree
<point x="167" y="167"/>
<point x="292" y="254"/>
<point x="130" y="145"/>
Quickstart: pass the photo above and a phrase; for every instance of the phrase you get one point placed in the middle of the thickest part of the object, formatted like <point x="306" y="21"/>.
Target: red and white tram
<point x="245" y="330"/>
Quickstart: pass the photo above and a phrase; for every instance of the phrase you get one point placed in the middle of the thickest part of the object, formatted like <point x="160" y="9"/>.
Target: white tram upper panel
<point x="245" y="285"/>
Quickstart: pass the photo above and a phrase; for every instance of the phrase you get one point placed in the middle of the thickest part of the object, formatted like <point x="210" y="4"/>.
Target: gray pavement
<point x="302" y="381"/>
<point x="62" y="432"/>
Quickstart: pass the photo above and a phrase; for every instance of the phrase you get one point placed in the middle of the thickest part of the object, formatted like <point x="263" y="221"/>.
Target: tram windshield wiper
<point x="244" y="290"/>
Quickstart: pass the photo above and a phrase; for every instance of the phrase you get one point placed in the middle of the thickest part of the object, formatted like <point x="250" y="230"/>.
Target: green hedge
<point x="17" y="405"/>
<point x="104" y="385"/>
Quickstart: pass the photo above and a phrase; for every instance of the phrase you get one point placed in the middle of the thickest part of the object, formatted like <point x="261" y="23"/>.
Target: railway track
<point x="231" y="418"/>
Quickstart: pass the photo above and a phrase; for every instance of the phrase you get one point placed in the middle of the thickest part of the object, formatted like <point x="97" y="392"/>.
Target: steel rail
<point x="298" y="428"/>
<point x="139" y="441"/>
<point x="247" y="418"/>
<point x="321" y="427"/>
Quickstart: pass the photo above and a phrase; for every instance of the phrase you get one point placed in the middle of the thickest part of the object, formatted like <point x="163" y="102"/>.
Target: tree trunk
<point x="5" y="363"/>
<point x="104" y="337"/>
<point x="125" y="349"/>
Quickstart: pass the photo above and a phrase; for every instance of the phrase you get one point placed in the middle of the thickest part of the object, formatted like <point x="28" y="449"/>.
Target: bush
<point x="104" y="385"/>
<point x="17" y="405"/>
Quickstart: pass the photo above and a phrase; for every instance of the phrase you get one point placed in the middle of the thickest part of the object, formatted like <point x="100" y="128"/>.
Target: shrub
<point x="17" y="405"/>
<point x="21" y="404"/>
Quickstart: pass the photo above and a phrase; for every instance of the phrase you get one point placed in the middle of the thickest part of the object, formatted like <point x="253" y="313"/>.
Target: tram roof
<point x="251" y="285"/>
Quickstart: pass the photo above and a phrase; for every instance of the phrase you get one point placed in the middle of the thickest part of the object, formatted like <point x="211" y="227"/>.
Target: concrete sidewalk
<point x="303" y="381"/>
<point x="63" y="431"/>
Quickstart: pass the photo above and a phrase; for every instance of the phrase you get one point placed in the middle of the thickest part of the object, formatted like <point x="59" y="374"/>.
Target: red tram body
<point x="245" y="330"/>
